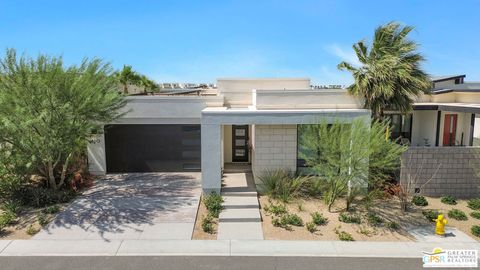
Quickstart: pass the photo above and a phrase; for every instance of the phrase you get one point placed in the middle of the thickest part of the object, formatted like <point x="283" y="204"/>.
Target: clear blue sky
<point x="199" y="41"/>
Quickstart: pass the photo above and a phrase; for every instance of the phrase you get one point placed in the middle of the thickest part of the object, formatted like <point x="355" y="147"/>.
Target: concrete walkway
<point x="240" y="218"/>
<point x="130" y="206"/>
<point x="224" y="248"/>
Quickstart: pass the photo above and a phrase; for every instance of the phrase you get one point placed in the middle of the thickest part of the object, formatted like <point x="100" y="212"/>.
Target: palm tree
<point x="390" y="75"/>
<point x="149" y="85"/>
<point x="128" y="76"/>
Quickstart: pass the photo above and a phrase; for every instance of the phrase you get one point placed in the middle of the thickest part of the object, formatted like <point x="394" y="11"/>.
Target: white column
<point x="97" y="164"/>
<point x="211" y="158"/>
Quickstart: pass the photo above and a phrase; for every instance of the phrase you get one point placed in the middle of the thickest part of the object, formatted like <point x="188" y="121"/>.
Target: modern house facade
<point x="255" y="122"/>
<point x="249" y="121"/>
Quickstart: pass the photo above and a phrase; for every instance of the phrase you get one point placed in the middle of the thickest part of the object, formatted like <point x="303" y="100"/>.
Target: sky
<point x="200" y="41"/>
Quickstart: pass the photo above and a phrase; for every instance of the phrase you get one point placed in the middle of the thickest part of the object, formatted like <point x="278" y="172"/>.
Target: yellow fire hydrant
<point x="440" y="225"/>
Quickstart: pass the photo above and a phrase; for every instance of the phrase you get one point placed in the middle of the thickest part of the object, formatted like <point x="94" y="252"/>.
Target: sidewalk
<point x="223" y="248"/>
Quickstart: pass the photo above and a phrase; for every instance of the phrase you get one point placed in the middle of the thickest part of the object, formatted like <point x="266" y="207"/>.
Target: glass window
<point x="400" y="127"/>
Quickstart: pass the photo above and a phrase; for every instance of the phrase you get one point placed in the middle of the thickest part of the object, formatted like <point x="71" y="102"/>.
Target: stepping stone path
<point x="240" y="218"/>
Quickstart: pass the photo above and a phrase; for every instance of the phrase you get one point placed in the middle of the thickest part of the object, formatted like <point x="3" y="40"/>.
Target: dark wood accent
<point x="472" y="128"/>
<point x="437" y="135"/>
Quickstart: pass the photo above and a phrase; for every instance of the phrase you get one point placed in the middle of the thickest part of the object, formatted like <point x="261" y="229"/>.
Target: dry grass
<point x="388" y="209"/>
<point x="198" y="233"/>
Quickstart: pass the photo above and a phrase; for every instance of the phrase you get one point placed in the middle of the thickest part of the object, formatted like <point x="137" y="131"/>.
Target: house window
<point x="400" y="127"/>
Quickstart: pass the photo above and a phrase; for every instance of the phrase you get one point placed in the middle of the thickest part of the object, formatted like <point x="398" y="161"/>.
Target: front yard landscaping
<point x="206" y="224"/>
<point x="379" y="220"/>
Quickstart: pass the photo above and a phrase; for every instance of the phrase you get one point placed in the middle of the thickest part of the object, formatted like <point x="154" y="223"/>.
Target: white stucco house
<point x="255" y="121"/>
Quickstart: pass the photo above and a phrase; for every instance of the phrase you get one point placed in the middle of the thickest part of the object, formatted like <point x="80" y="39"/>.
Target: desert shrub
<point x="41" y="197"/>
<point x="475" y="230"/>
<point x="318" y="218"/>
<point x="7" y="218"/>
<point x="213" y="203"/>
<point x="475" y="214"/>
<point x="31" y="230"/>
<point x="365" y="231"/>
<point x="51" y="209"/>
<point x="374" y="220"/>
<point x="457" y="214"/>
<point x="419" y="200"/>
<point x="449" y="200"/>
<point x="311" y="227"/>
<point x="392" y="225"/>
<point x="291" y="219"/>
<point x="474" y="204"/>
<point x="207" y="224"/>
<point x="276" y="222"/>
<point x="349" y="218"/>
<point x="42" y="219"/>
<point x="12" y="206"/>
<point x="300" y="207"/>
<point x="281" y="185"/>
<point x="276" y="209"/>
<point x="344" y="236"/>
<point x="430" y="214"/>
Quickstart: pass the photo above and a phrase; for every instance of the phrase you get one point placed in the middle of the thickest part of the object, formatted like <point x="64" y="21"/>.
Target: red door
<point x="449" y="129"/>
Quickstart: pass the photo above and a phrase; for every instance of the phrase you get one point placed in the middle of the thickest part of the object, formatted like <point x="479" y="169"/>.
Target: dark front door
<point x="240" y="143"/>
<point x="152" y="148"/>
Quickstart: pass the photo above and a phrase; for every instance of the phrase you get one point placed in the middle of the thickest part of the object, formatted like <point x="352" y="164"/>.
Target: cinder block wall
<point x="275" y="147"/>
<point x="453" y="170"/>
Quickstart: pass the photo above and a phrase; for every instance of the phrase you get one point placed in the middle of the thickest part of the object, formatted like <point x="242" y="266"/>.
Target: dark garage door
<point x="152" y="148"/>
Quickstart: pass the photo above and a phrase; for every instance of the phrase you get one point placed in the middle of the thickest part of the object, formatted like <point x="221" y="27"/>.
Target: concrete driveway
<point x="131" y="206"/>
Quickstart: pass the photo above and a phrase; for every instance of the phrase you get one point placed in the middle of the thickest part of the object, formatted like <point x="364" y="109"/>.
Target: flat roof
<point x="467" y="87"/>
<point x="446" y="77"/>
<point x="456" y="107"/>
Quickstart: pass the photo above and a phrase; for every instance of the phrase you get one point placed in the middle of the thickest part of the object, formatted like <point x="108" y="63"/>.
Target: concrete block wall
<point x="453" y="170"/>
<point x="275" y="147"/>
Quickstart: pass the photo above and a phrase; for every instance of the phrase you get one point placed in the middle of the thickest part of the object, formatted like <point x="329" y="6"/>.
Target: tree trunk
<point x="64" y="170"/>
<point x="51" y="176"/>
<point x="125" y="88"/>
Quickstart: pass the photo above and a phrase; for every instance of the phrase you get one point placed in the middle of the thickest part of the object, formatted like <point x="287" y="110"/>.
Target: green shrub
<point x="301" y="208"/>
<point x="449" y="200"/>
<point x="281" y="185"/>
<point x="213" y="203"/>
<point x="276" y="222"/>
<point x="31" y="230"/>
<point x="41" y="197"/>
<point x="474" y="204"/>
<point x="277" y="209"/>
<point x="318" y="218"/>
<point x="344" y="236"/>
<point x="7" y="218"/>
<point x="311" y="227"/>
<point x="392" y="225"/>
<point x="419" y="200"/>
<point x="457" y="214"/>
<point x="475" y="230"/>
<point x="475" y="214"/>
<point x="374" y="219"/>
<point x="291" y="219"/>
<point x="42" y="219"/>
<point x="207" y="224"/>
<point x="430" y="215"/>
<point x="51" y="209"/>
<point x="11" y="206"/>
<point x="349" y="218"/>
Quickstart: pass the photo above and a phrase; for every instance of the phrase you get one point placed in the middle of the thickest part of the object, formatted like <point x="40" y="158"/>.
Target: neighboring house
<point x="447" y="117"/>
<point x="255" y="121"/>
